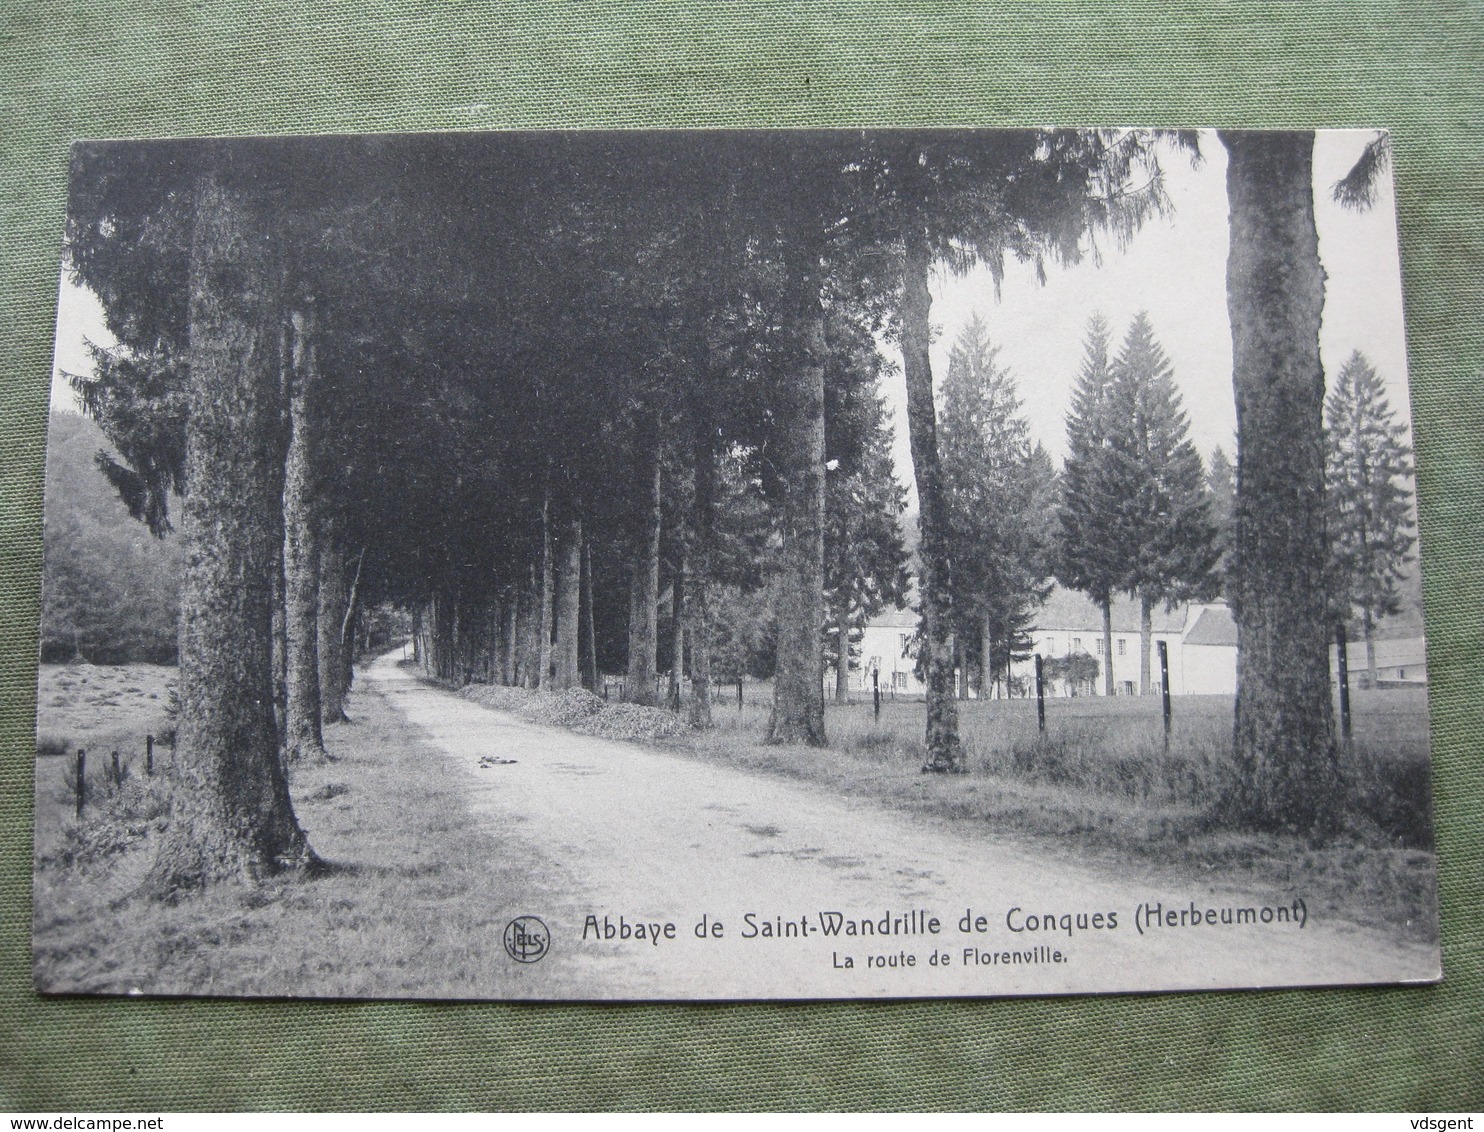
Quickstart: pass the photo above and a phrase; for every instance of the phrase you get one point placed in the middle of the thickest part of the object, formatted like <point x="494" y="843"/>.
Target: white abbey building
<point x="1201" y="640"/>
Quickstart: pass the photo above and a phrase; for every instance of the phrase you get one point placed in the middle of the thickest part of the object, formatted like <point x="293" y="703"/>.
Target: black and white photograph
<point x="732" y="565"/>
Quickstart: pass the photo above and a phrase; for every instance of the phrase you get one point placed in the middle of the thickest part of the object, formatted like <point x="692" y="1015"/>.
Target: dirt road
<point x="671" y="878"/>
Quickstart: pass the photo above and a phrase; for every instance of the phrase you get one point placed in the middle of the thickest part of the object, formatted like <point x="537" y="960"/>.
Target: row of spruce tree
<point x="1134" y="510"/>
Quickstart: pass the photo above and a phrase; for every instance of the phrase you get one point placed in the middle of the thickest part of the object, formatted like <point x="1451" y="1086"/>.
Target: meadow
<point x="404" y="903"/>
<point x="1101" y="783"/>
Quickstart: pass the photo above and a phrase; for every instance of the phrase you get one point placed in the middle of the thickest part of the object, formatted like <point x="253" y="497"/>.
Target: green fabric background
<point x="101" y="68"/>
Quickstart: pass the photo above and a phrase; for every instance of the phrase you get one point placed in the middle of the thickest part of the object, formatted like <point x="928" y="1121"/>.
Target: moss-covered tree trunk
<point x="301" y="550"/>
<point x="1284" y="732"/>
<point x="232" y="817"/>
<point x="798" y="447"/>
<point x="944" y="752"/>
<point x="280" y="659"/>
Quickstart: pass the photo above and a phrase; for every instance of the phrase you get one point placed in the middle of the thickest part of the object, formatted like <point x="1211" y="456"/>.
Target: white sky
<point x="1175" y="269"/>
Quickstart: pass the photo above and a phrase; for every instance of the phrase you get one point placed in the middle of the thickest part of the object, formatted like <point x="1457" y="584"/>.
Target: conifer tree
<point x="1089" y="558"/>
<point x="1163" y="526"/>
<point x="1366" y="471"/>
<point x="865" y="556"/>
<point x="1221" y="483"/>
<point x="997" y="495"/>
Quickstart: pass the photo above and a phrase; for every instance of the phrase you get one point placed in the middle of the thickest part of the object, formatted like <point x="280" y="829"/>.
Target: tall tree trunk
<point x="1284" y="732"/>
<point x="842" y="652"/>
<point x="569" y="604"/>
<point x="548" y="598"/>
<point x="798" y="681"/>
<point x="530" y="665"/>
<point x="232" y="817"/>
<point x="443" y="637"/>
<point x="944" y="752"/>
<point x="677" y="629"/>
<point x="353" y="632"/>
<point x="1368" y="630"/>
<point x="511" y="637"/>
<point x="494" y="657"/>
<point x="703" y="530"/>
<point x="334" y="597"/>
<point x="1106" y="605"/>
<point x="301" y="549"/>
<point x="641" y="683"/>
<point x="986" y="657"/>
<point x="348" y="625"/>
<point x="1146" y="644"/>
<point x="589" y="643"/>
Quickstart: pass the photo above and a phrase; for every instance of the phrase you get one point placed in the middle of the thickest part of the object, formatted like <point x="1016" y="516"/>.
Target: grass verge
<point x="1101" y="786"/>
<point x="412" y="904"/>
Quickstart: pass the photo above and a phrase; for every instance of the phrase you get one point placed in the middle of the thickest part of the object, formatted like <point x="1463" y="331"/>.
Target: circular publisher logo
<point x="527" y="939"/>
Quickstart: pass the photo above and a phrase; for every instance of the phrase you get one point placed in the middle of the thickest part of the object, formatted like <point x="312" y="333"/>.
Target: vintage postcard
<point x="732" y="565"/>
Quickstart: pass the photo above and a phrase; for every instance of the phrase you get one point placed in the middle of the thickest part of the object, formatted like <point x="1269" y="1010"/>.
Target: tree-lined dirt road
<point x="625" y="840"/>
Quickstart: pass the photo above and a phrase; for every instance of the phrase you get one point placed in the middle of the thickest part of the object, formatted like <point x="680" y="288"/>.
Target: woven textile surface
<point x="74" y="68"/>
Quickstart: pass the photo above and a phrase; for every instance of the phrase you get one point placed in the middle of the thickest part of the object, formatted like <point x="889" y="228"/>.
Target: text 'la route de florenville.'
<point x="1034" y="936"/>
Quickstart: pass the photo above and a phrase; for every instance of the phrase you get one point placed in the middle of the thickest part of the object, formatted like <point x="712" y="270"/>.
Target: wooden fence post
<point x="117" y="771"/>
<point x="1164" y="687"/>
<point x="1342" y="645"/>
<point x="876" y="691"/>
<point x="1040" y="696"/>
<point x="149" y="756"/>
<point x="82" y="768"/>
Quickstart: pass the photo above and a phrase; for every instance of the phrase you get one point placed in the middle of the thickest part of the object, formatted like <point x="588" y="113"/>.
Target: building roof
<point x="1069" y="610"/>
<point x="1214" y="626"/>
<point x="894" y="619"/>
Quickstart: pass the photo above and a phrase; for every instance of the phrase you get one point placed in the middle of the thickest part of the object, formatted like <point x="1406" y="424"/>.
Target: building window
<point x="1122" y="646"/>
<point x="1076" y="644"/>
<point x="1128" y="687"/>
<point x="1100" y="646"/>
<point x="906" y="643"/>
<point x="899" y="681"/>
<point x="1401" y="673"/>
